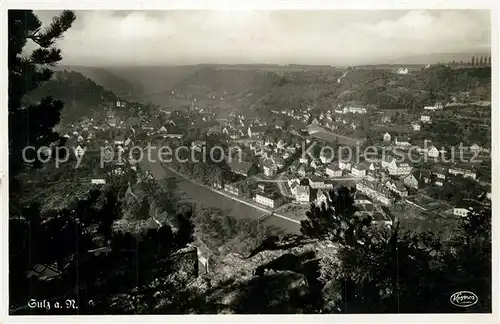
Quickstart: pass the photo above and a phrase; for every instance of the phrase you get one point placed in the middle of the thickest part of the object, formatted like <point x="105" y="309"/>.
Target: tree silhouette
<point x="473" y="61"/>
<point x="33" y="124"/>
<point x="385" y="269"/>
<point x="335" y="221"/>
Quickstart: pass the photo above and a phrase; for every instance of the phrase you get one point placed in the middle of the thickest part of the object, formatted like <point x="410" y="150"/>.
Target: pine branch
<point x="59" y="25"/>
<point x="43" y="56"/>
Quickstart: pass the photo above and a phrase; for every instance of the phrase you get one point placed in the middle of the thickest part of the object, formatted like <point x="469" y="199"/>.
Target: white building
<point x="466" y="206"/>
<point x="374" y="166"/>
<point x="358" y="170"/>
<point x="403" y="71"/>
<point x="344" y="165"/>
<point x="321" y="197"/>
<point x="270" y="169"/>
<point x="399" y="168"/>
<point x="316" y="182"/>
<point x="415" y="126"/>
<point x="375" y="191"/>
<point x="231" y="189"/>
<point x="333" y="170"/>
<point x="354" y="110"/>
<point x="304" y="159"/>
<point x="440" y="174"/>
<point x="79" y="151"/>
<point x="460" y="211"/>
<point x="387" y="137"/>
<point x="397" y="187"/>
<point x="463" y="172"/>
<point x="266" y="200"/>
<point x="302" y="194"/>
<point x="411" y="181"/>
<point x="437" y="106"/>
<point x="402" y="141"/>
<point x="425" y="119"/>
<point x="432" y="152"/>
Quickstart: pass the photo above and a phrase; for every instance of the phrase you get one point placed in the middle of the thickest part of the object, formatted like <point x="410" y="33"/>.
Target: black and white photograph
<point x="167" y="162"/>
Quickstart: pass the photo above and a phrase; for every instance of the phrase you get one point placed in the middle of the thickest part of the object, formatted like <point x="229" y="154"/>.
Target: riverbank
<point x="223" y="193"/>
<point x="205" y="197"/>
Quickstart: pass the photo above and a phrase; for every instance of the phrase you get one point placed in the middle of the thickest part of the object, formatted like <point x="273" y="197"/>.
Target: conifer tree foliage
<point x="380" y="268"/>
<point x="95" y="263"/>
<point x="32" y="125"/>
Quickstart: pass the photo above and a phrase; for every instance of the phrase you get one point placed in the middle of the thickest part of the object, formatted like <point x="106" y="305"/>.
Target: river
<point x="204" y="197"/>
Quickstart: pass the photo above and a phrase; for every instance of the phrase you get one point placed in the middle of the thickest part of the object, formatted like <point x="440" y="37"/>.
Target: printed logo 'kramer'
<point x="464" y="299"/>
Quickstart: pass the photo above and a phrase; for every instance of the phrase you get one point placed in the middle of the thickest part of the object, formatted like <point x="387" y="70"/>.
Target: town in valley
<point x="290" y="188"/>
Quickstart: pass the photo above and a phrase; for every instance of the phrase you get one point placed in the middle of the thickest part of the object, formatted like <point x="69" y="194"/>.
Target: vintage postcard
<point x="249" y="161"/>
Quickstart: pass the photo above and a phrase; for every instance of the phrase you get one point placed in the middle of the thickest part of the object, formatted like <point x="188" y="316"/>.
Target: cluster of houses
<point x="380" y="181"/>
<point x="425" y="147"/>
<point x="238" y="126"/>
<point x="300" y="115"/>
<point x="272" y="156"/>
<point x="115" y="135"/>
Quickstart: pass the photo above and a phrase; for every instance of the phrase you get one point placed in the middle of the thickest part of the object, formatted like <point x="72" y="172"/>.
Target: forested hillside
<point x="383" y="88"/>
<point x="122" y="86"/>
<point x="81" y="95"/>
<point x="230" y="84"/>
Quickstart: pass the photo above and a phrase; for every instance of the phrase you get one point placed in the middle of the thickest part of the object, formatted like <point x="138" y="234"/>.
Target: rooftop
<point x="340" y="139"/>
<point x="241" y="166"/>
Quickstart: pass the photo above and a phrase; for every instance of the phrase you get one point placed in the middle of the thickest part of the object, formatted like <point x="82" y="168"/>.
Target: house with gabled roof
<point x="240" y="167"/>
<point x="256" y="131"/>
<point x="316" y="182"/>
<point x="372" y="166"/>
<point x="315" y="163"/>
<point x="411" y="181"/>
<point x="397" y="187"/>
<point x="399" y="168"/>
<point x="375" y="191"/>
<point x="322" y="197"/>
<point x="333" y="170"/>
<point x="345" y="165"/>
<point x="358" y="170"/>
<point x="326" y="156"/>
<point x="302" y="194"/>
<point x="293" y="186"/>
<point x="268" y="198"/>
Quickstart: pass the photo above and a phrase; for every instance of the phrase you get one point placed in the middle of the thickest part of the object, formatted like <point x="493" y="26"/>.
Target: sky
<point x="274" y="37"/>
